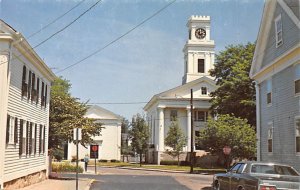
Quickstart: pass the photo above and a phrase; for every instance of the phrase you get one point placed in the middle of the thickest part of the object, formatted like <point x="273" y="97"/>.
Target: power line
<point x="52" y="22"/>
<point x="118" y="38"/>
<point x="68" y="25"/>
<point x="54" y="34"/>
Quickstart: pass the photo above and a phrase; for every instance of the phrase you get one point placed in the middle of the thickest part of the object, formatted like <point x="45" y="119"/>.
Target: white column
<point x="189" y="128"/>
<point x="161" y="122"/>
<point x="207" y="33"/>
<point x="258" y="121"/>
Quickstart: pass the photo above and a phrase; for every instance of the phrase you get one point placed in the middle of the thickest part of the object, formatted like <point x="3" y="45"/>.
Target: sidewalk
<point x="57" y="184"/>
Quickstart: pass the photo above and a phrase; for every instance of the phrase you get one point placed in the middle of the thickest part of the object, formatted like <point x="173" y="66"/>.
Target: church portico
<point x="174" y="104"/>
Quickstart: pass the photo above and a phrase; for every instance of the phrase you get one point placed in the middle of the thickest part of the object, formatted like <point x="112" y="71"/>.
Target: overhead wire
<point x="118" y="38"/>
<point x="56" y="33"/>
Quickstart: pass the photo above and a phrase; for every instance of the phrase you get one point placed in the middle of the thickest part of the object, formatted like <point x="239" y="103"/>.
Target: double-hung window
<point x="204" y="90"/>
<point x="11" y="130"/>
<point x="297" y="79"/>
<point x="297" y="134"/>
<point x="173" y="115"/>
<point x="278" y="31"/>
<point x="270" y="137"/>
<point x="269" y="91"/>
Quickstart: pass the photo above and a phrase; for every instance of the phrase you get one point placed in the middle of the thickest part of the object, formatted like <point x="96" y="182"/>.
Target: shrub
<point x="102" y="160"/>
<point x="114" y="160"/>
<point x="168" y="162"/>
<point x="58" y="154"/>
<point x="174" y="162"/>
<point x="65" y="167"/>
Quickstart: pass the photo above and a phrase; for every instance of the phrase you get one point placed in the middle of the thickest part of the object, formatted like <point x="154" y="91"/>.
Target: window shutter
<point x="46" y="96"/>
<point x="42" y="95"/>
<point x="21" y="138"/>
<point x="37" y="90"/>
<point x="7" y="128"/>
<point x="44" y="138"/>
<point x="24" y="87"/>
<point x="40" y="139"/>
<point x="29" y="85"/>
<point x="30" y="138"/>
<point x="27" y="136"/>
<point x="35" y="131"/>
<point x="16" y="131"/>
<point x="33" y="93"/>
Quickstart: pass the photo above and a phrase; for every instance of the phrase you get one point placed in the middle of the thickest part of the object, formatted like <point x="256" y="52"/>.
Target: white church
<point x="173" y="104"/>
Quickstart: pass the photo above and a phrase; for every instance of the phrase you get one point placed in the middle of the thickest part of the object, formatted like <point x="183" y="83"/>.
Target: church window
<point x="203" y="90"/>
<point x="278" y="29"/>
<point x="201" y="116"/>
<point x="173" y="115"/>
<point x="200" y="65"/>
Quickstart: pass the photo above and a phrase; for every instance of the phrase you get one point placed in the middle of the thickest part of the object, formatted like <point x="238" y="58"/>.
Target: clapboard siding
<point x="291" y="37"/>
<point x="282" y="112"/>
<point x="22" y="108"/>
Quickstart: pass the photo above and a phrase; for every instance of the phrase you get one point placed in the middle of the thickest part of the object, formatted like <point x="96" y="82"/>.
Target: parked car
<point x="258" y="176"/>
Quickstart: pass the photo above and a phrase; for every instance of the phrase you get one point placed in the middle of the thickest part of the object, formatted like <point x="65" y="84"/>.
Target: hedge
<point x="65" y="167"/>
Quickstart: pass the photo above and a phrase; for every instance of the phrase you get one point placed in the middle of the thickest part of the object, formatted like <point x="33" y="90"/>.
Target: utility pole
<point x="77" y="158"/>
<point x="192" y="135"/>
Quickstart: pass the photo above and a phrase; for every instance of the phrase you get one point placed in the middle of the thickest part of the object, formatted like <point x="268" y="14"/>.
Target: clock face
<point x="200" y="33"/>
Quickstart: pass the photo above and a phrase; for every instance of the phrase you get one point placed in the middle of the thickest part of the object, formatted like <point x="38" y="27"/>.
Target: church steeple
<point x="198" y="51"/>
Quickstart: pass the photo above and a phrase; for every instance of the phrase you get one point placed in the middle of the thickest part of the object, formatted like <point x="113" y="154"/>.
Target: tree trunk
<point x="141" y="159"/>
<point x="178" y="159"/>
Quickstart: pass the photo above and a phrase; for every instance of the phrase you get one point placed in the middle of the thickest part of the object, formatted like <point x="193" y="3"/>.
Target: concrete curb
<point x="145" y="169"/>
<point x="89" y="185"/>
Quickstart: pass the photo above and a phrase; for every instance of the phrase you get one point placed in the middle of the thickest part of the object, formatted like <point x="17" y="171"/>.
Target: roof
<point x="97" y="112"/>
<point x="264" y="32"/>
<point x="18" y="41"/>
<point x="178" y="88"/>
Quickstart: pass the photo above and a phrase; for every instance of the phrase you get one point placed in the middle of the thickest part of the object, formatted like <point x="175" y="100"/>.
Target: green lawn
<point x="161" y="167"/>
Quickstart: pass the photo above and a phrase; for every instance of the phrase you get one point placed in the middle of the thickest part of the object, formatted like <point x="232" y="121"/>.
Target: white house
<point x="110" y="140"/>
<point x="173" y="104"/>
<point x="25" y="82"/>
<point x="276" y="70"/>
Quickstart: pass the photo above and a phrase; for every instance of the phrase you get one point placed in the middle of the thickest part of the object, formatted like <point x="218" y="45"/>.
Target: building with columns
<point x="165" y="107"/>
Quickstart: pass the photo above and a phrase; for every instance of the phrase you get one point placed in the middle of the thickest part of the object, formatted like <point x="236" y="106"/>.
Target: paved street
<point x="128" y="179"/>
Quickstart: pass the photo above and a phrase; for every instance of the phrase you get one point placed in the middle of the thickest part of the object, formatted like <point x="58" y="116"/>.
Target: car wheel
<point x="217" y="185"/>
<point x="241" y="188"/>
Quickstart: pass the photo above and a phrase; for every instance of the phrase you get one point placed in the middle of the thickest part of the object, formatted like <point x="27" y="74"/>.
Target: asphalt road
<point x="128" y="179"/>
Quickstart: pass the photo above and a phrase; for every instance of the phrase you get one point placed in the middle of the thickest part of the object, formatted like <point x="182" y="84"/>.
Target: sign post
<point x="94" y="149"/>
<point x="77" y="138"/>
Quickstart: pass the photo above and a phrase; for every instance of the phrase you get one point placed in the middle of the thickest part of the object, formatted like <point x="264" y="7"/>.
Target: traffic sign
<point x="94" y="149"/>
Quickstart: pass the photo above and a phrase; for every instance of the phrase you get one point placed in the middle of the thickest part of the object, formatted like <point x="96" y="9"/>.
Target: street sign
<point x="75" y="130"/>
<point x="94" y="149"/>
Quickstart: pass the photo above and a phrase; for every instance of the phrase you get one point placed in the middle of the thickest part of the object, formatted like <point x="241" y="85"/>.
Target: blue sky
<point x="146" y="62"/>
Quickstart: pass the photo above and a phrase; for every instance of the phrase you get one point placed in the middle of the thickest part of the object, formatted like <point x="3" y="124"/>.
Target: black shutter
<point x="40" y="139"/>
<point x="7" y="128"/>
<point x="37" y="90"/>
<point x="42" y="95"/>
<point x="29" y="85"/>
<point x="16" y="131"/>
<point x="30" y="138"/>
<point x="46" y="95"/>
<point x="21" y="138"/>
<point x="24" y="87"/>
<point x="33" y="95"/>
<point x="44" y="138"/>
<point x="35" y="135"/>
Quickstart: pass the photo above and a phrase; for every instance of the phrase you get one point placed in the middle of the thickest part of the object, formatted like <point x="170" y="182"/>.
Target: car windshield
<point x="273" y="169"/>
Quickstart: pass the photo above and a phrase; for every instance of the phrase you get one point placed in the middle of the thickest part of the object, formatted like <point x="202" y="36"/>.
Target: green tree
<point x="139" y="134"/>
<point x="176" y="140"/>
<point x="236" y="92"/>
<point x="229" y="131"/>
<point x="66" y="113"/>
<point x="125" y="148"/>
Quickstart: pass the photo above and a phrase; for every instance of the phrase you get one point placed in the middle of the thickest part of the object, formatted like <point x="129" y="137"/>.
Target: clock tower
<point x="198" y="51"/>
